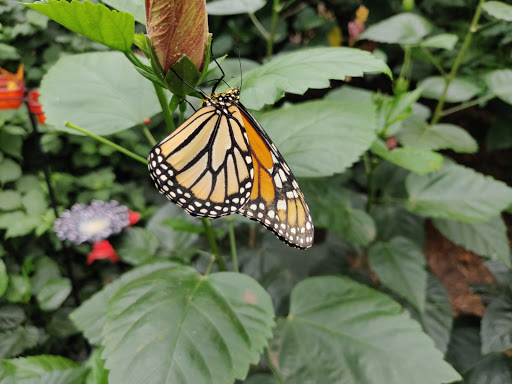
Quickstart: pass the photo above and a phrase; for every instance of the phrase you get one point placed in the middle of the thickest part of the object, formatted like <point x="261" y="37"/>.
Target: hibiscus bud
<point x="177" y="28"/>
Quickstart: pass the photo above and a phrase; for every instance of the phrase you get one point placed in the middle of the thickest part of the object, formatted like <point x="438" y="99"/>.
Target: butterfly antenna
<point x="221" y="70"/>
<point x="200" y="91"/>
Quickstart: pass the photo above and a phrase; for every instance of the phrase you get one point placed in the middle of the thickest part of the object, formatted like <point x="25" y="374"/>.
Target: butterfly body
<point x="220" y="161"/>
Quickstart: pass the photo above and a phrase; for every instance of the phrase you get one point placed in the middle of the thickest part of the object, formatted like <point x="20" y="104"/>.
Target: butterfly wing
<point x="276" y="200"/>
<point x="205" y="165"/>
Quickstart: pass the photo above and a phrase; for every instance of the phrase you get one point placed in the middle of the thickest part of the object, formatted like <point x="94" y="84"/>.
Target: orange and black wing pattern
<point x="220" y="161"/>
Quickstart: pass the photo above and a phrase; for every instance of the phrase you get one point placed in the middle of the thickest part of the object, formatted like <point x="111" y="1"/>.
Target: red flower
<point x="34" y="106"/>
<point x="102" y="250"/>
<point x="133" y="217"/>
<point x="12" y="88"/>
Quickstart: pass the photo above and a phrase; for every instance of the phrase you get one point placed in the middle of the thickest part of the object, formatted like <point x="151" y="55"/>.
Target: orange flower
<point x="12" y="88"/>
<point x="177" y="28"/>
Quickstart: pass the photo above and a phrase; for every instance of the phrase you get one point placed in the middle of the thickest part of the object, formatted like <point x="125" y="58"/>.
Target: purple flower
<point x="92" y="223"/>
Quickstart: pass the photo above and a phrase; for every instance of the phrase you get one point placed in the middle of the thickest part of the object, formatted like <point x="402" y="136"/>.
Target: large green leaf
<point x="53" y="293"/>
<point x="400" y="265"/>
<point x="339" y="331"/>
<point x="90" y="316"/>
<point x="4" y="279"/>
<point x="137" y="246"/>
<point x="233" y="7"/>
<point x="331" y="208"/>
<point x="437" y="319"/>
<point x="95" y="21"/>
<point x="458" y="91"/>
<point x="499" y="82"/>
<point x="443" y="40"/>
<point x="134" y="7"/>
<point x="457" y="193"/>
<point x="9" y="200"/>
<point x="97" y="373"/>
<point x="488" y="239"/>
<point x="100" y="92"/>
<point x="298" y="71"/>
<point x="394" y="220"/>
<point x="496" y="331"/>
<point x="498" y="9"/>
<point x="492" y="369"/>
<point x="416" y="132"/>
<point x="42" y="369"/>
<point x="417" y="160"/>
<point x="404" y="28"/>
<point x="177" y="326"/>
<point x="321" y="138"/>
<point x="15" y="341"/>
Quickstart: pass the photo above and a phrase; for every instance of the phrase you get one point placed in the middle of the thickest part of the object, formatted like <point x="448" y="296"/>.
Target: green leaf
<point x="394" y="220"/>
<point x="233" y="7"/>
<point x="9" y="171"/>
<point x="499" y="83"/>
<point x="464" y="347"/>
<point x="496" y="330"/>
<point x="500" y="134"/>
<point x="321" y="138"/>
<point x="400" y="265"/>
<point x="18" y="289"/>
<point x="404" y="28"/>
<point x="418" y="133"/>
<point x="11" y="316"/>
<point x="134" y="7"/>
<point x="94" y="21"/>
<point x="339" y="331"/>
<point x="437" y="319"/>
<point x="201" y="329"/>
<point x="17" y="224"/>
<point x="173" y="242"/>
<point x="420" y="161"/>
<point x="4" y="278"/>
<point x="8" y="52"/>
<point x="53" y="293"/>
<point x="261" y="379"/>
<point x="488" y="239"/>
<point x="9" y="200"/>
<point x="46" y="269"/>
<point x="492" y="369"/>
<point x="137" y="246"/>
<point x="90" y="316"/>
<point x="43" y="369"/>
<point x="498" y="9"/>
<point x="398" y="108"/>
<point x="117" y="97"/>
<point x="331" y="208"/>
<point x="97" y="372"/>
<point x="298" y="71"/>
<point x="458" y="91"/>
<point x="35" y="202"/>
<point x="457" y="193"/>
<point x="443" y="40"/>
<point x="10" y="144"/>
<point x="14" y="342"/>
<point x="60" y="325"/>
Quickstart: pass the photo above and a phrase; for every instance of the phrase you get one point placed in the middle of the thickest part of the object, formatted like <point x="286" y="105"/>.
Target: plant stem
<point x="148" y="134"/>
<point x="458" y="61"/>
<point x="162" y="98"/>
<point x="107" y="142"/>
<point x="213" y="243"/>
<point x="183" y="108"/>
<point x="232" y="243"/>
<point x="468" y="104"/>
<point x="210" y="266"/>
<point x="258" y="26"/>
<point x="369" y="181"/>
<point x="407" y="62"/>
<point x="433" y="60"/>
<point x="273" y="27"/>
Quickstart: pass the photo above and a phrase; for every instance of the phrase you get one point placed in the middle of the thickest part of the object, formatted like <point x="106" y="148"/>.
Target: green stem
<point x="407" y="62"/>
<point x="183" y="108"/>
<point x="468" y="104"/>
<point x="210" y="266"/>
<point x="232" y="242"/>
<point x="433" y="60"/>
<point x="107" y="142"/>
<point x="148" y="134"/>
<point x="369" y="169"/>
<point x="162" y="98"/>
<point x="258" y="26"/>
<point x="213" y="243"/>
<point x="458" y="61"/>
<point x="273" y="27"/>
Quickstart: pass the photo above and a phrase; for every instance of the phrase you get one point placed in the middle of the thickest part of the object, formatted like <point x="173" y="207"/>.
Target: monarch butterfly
<point x="220" y="161"/>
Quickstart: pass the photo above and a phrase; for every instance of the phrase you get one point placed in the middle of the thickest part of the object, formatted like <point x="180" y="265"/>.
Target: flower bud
<point x="177" y="28"/>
